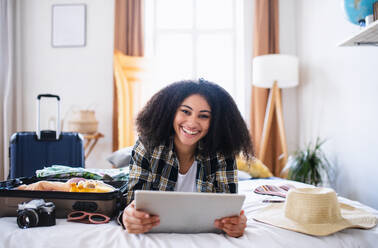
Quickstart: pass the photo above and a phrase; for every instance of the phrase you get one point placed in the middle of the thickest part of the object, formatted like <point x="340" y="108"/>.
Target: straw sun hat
<point x="315" y="211"/>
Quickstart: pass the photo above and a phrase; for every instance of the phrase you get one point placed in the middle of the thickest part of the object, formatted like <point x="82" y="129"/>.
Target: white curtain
<point x="10" y="90"/>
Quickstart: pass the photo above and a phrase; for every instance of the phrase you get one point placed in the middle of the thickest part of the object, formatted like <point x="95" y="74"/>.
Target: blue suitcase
<point x="31" y="151"/>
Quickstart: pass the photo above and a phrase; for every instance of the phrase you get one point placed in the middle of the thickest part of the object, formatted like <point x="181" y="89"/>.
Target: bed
<point x="68" y="234"/>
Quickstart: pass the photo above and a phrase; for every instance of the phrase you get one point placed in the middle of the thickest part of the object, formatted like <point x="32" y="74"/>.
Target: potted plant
<point x="310" y="165"/>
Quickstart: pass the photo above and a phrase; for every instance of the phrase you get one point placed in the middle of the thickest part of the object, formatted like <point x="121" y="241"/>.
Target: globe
<point x="357" y="10"/>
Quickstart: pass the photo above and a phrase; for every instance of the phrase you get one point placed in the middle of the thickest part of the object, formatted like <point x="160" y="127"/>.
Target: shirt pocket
<point x="163" y="184"/>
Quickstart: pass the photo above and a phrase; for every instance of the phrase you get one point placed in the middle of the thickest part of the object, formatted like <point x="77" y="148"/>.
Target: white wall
<point x="287" y="30"/>
<point x="338" y="96"/>
<point x="82" y="76"/>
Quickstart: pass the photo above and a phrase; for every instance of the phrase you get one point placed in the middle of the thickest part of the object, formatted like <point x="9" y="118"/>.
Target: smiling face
<point x="192" y="121"/>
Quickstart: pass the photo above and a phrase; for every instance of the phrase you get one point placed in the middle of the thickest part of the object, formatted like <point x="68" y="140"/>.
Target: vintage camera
<point x="36" y="213"/>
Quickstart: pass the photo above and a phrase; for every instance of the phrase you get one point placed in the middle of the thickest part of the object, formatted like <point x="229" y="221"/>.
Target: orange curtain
<point x="265" y="41"/>
<point x="128" y="40"/>
<point x="128" y="71"/>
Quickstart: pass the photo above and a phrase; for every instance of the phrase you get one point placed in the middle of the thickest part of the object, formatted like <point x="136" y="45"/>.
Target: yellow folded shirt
<point x="93" y="186"/>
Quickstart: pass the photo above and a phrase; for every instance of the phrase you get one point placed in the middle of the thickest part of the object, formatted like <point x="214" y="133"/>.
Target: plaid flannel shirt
<point x="159" y="171"/>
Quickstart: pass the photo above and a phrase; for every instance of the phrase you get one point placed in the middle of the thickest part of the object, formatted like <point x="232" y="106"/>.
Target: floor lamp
<point x="274" y="71"/>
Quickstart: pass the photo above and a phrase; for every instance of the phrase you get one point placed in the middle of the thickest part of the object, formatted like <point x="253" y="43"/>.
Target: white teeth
<point x="189" y="132"/>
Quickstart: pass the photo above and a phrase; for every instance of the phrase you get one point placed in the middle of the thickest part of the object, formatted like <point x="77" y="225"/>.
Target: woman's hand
<point x="137" y="221"/>
<point x="234" y="226"/>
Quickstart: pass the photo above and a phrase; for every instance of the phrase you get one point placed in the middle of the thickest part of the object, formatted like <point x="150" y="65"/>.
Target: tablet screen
<point x="184" y="212"/>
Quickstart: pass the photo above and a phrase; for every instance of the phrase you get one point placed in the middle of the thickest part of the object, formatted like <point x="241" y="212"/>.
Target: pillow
<point x="242" y="175"/>
<point x="121" y="158"/>
<point x="254" y="167"/>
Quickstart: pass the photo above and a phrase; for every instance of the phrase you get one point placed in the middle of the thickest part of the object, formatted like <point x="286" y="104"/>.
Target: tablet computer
<point x="185" y="212"/>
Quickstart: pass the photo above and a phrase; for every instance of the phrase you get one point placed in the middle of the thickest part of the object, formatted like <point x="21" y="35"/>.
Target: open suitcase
<point x="30" y="151"/>
<point x="109" y="203"/>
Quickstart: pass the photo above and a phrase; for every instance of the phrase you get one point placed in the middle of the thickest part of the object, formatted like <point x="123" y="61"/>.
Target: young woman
<point x="189" y="135"/>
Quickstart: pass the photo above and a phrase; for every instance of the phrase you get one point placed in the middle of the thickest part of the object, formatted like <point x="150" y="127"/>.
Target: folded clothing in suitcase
<point x="30" y="151"/>
<point x="109" y="203"/>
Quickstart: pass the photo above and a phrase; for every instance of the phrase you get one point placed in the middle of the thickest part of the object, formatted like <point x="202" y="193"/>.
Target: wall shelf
<point x="366" y="37"/>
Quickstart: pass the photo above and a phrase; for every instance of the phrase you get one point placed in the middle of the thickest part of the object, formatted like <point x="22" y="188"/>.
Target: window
<point x="193" y="39"/>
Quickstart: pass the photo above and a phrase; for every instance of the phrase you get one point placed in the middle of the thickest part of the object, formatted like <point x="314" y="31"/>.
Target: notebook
<point x="186" y="212"/>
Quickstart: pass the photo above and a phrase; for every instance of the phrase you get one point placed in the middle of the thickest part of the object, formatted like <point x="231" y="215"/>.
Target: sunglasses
<point x="88" y="218"/>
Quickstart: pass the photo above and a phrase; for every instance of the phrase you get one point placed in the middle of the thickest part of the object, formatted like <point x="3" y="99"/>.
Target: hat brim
<point x="352" y="217"/>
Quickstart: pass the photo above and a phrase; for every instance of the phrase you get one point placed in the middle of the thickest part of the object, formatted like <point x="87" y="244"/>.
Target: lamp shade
<point x="275" y="67"/>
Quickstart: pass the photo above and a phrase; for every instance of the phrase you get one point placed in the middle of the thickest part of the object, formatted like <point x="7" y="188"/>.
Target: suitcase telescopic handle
<point x="48" y="95"/>
<point x="38" y="114"/>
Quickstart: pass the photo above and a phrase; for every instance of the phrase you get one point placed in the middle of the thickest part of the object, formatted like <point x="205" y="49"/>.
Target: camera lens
<point x="27" y="218"/>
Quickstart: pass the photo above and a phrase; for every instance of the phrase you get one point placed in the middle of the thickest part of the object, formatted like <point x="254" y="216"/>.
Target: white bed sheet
<point x="67" y="234"/>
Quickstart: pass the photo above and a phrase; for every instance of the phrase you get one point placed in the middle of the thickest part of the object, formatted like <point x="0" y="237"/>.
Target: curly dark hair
<point x="228" y="133"/>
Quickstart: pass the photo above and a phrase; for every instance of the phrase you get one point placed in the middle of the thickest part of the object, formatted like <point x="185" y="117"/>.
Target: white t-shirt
<point x="187" y="182"/>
